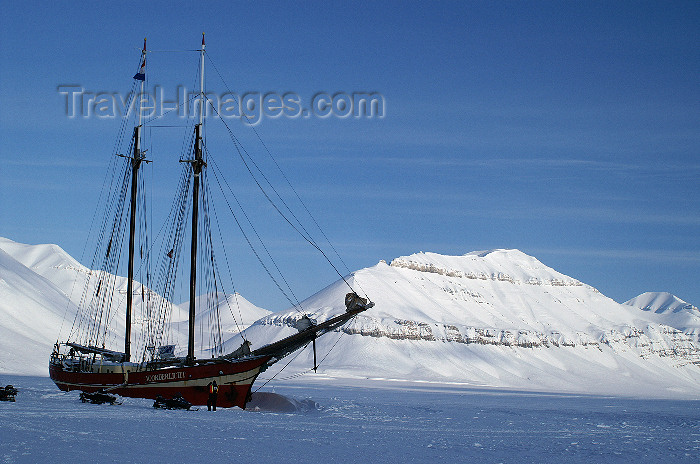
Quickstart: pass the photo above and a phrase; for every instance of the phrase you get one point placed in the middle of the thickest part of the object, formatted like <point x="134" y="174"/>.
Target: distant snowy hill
<point x="239" y="312"/>
<point x="31" y="313"/>
<point x="40" y="284"/>
<point x="666" y="308"/>
<point x="660" y="303"/>
<point x="497" y="318"/>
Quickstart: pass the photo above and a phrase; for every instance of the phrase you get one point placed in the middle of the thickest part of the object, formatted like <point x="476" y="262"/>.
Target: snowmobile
<point x="176" y="402"/>
<point x="98" y="398"/>
<point x="8" y="393"/>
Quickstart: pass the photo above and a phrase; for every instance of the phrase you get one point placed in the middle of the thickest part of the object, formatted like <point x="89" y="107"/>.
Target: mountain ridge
<point x="514" y="323"/>
<point x="497" y="318"/>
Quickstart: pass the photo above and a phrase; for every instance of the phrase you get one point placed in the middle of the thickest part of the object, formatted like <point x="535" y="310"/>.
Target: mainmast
<point x="136" y="159"/>
<point x="197" y="165"/>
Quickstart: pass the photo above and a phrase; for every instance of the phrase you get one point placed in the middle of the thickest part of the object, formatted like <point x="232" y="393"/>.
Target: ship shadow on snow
<point x="274" y="402"/>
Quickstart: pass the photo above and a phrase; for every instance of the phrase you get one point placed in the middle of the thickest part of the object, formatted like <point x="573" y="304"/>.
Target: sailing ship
<point x="84" y="363"/>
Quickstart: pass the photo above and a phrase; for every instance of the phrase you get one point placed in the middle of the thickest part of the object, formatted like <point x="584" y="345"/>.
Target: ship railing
<point x="76" y="358"/>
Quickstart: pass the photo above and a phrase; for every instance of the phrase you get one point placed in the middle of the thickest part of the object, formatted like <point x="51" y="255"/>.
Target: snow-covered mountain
<point x="237" y="313"/>
<point x="660" y="303"/>
<point x="41" y="287"/>
<point x="666" y="308"/>
<point x="497" y="318"/>
<point x="73" y="282"/>
<point x="31" y="310"/>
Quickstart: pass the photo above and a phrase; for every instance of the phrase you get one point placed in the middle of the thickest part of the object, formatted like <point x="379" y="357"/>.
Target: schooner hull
<point x="234" y="378"/>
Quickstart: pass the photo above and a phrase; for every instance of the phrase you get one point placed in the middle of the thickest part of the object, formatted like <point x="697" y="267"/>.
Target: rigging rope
<point x="107" y="194"/>
<point x="100" y="309"/>
<point x="210" y="276"/>
<point x="228" y="268"/>
<point x="283" y="368"/>
<point x="247" y="239"/>
<point x="299" y="374"/>
<point x="307" y="237"/>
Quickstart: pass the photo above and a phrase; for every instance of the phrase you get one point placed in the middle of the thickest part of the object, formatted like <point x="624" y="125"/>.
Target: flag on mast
<point x="141" y="75"/>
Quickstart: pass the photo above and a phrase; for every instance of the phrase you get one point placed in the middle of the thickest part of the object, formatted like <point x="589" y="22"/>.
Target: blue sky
<point x="569" y="130"/>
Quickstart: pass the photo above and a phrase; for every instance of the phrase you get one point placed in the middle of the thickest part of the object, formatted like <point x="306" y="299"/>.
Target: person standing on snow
<point x="213" y="393"/>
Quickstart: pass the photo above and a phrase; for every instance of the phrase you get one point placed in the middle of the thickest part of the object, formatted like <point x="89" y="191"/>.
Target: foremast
<point x="197" y="165"/>
<point x="136" y="159"/>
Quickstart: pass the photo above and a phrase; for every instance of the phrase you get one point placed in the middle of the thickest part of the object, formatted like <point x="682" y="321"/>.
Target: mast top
<point x="201" y="84"/>
<point x="141" y="74"/>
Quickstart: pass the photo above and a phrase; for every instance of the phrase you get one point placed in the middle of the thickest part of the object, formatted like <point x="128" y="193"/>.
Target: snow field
<point x="356" y="421"/>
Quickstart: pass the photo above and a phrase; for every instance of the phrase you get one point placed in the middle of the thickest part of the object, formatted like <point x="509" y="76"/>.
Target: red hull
<point x="235" y="379"/>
